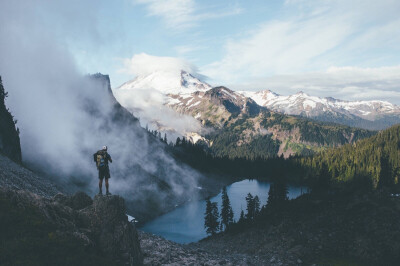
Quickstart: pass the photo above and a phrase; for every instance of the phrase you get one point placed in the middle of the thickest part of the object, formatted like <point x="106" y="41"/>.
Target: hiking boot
<point x="108" y="193"/>
<point x="100" y="192"/>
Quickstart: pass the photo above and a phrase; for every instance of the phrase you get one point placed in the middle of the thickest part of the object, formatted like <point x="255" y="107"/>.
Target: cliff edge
<point x="66" y="230"/>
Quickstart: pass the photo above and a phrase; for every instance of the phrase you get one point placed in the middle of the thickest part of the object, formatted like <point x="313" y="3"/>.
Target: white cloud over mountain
<point x="144" y="64"/>
<point x="348" y="83"/>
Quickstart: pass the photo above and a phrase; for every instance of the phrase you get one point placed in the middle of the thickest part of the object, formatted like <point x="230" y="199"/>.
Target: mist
<point x="149" y="101"/>
<point x="65" y="116"/>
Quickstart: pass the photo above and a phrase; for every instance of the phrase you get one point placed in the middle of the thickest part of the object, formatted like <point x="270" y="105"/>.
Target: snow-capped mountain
<point x="150" y="96"/>
<point x="166" y="82"/>
<point x="214" y="106"/>
<point x="231" y="123"/>
<point x="367" y="114"/>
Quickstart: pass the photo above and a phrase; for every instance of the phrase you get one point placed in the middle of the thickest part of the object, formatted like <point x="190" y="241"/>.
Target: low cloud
<point x="155" y="77"/>
<point x="148" y="105"/>
<point x="65" y="117"/>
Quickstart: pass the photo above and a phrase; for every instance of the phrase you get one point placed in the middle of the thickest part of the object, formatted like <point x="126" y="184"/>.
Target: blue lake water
<point x="185" y="224"/>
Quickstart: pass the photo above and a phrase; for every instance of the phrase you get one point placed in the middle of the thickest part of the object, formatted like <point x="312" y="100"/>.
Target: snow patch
<point x="195" y="104"/>
<point x="131" y="219"/>
<point x="230" y="94"/>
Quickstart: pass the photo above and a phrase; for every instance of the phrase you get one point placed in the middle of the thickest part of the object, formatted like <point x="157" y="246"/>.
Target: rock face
<point x="116" y="236"/>
<point x="87" y="231"/>
<point x="9" y="137"/>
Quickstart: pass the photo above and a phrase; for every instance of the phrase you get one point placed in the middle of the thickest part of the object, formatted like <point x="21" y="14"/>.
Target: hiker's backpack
<point x="101" y="160"/>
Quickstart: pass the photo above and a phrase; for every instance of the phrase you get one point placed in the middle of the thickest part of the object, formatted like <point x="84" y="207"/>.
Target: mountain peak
<point x="166" y="82"/>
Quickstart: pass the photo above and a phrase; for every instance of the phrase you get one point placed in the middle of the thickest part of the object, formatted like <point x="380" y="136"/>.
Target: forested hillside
<point x="270" y="134"/>
<point x="376" y="159"/>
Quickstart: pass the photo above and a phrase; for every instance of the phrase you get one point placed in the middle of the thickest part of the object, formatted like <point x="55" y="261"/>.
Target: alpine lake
<point x="185" y="224"/>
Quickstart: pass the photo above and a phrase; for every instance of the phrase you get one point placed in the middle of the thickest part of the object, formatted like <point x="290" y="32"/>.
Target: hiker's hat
<point x="104" y="148"/>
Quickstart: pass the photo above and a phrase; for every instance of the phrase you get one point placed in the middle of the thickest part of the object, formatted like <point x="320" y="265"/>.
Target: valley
<point x="342" y="181"/>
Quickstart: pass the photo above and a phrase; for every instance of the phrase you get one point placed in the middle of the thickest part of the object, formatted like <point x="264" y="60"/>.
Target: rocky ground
<point x="159" y="251"/>
<point x="15" y="176"/>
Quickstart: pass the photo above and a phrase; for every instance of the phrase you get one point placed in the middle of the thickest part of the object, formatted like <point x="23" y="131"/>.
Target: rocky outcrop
<point x="99" y="229"/>
<point x="9" y="136"/>
<point x="115" y="235"/>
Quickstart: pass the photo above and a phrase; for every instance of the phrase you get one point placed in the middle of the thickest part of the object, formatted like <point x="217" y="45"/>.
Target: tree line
<point x="215" y="221"/>
<point x="371" y="162"/>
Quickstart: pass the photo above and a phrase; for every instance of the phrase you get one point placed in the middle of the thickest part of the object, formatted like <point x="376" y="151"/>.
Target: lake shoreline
<point x="185" y="224"/>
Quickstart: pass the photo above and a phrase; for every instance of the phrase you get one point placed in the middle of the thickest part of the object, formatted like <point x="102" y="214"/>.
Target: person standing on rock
<point x="101" y="159"/>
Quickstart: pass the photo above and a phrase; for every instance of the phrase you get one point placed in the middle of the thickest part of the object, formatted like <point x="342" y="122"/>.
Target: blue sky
<point x="345" y="49"/>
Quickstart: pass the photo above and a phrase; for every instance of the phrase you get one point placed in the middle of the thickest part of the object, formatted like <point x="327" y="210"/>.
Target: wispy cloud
<point x="183" y="14"/>
<point x="312" y="36"/>
<point x="183" y="50"/>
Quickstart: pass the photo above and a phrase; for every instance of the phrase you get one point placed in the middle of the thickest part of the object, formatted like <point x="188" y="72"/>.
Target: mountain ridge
<point x="374" y="114"/>
<point x="231" y="119"/>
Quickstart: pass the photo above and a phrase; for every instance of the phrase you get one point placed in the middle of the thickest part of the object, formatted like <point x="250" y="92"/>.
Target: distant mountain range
<point x="374" y="115"/>
<point x="230" y="123"/>
<point x="183" y="91"/>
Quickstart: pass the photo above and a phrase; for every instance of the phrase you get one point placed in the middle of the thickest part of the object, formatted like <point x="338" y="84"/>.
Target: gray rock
<point x="15" y="176"/>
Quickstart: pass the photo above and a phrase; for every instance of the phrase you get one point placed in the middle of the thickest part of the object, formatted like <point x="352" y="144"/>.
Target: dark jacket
<point x="107" y="156"/>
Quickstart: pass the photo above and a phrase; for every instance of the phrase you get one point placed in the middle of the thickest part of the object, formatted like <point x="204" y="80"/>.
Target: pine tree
<point x="385" y="174"/>
<point x="277" y="193"/>
<point x="3" y="93"/>
<point x="211" y="217"/>
<point x="271" y="194"/>
<point x="256" y="206"/>
<point x="324" y="177"/>
<point x="250" y="207"/>
<point x="226" y="210"/>
<point x="241" y="218"/>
